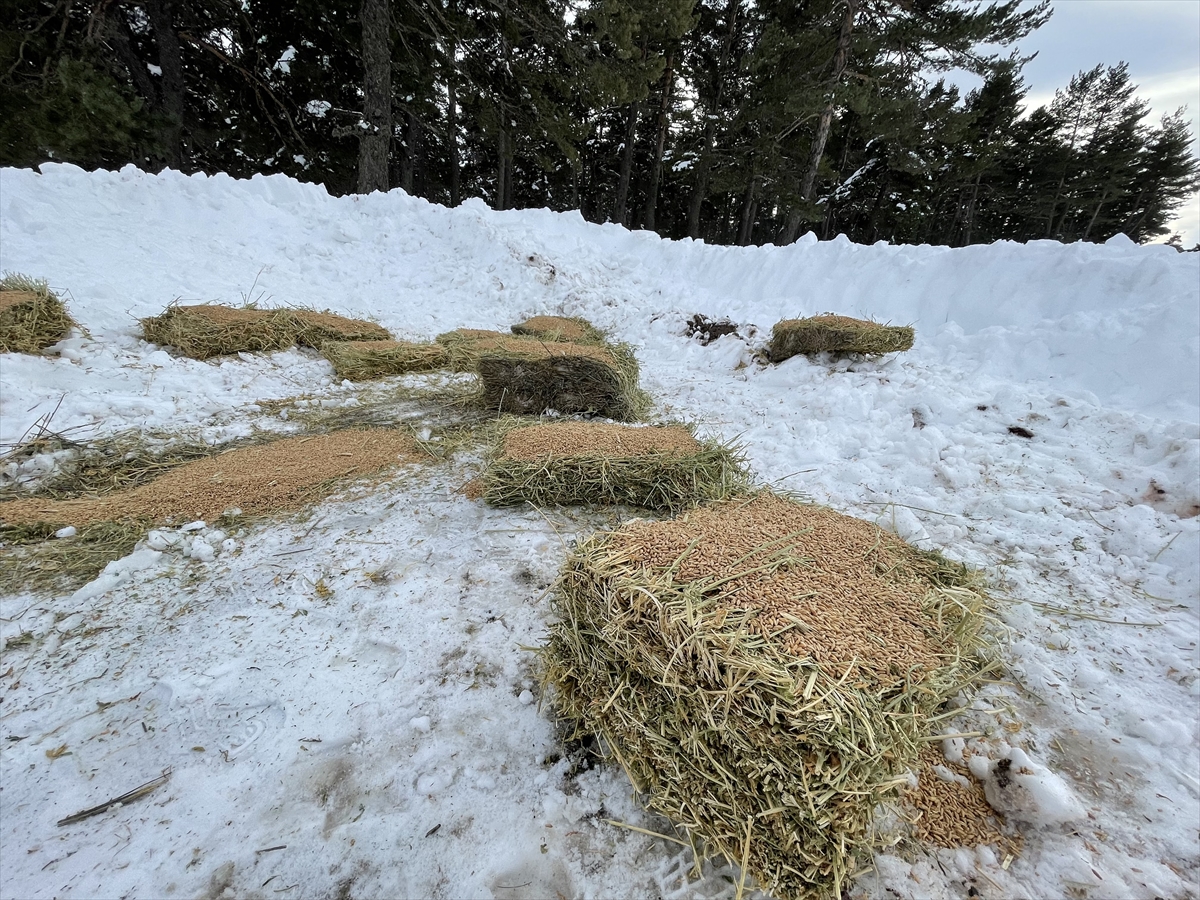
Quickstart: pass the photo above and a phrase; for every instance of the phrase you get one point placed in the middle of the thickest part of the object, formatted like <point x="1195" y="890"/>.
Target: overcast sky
<point x="1160" y="39"/>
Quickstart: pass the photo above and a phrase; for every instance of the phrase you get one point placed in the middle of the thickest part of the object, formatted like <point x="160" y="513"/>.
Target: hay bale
<point x="529" y="377"/>
<point x="209" y="330"/>
<point x="363" y="360"/>
<point x="318" y="327"/>
<point x="32" y="317"/>
<point x="465" y="345"/>
<point x="560" y="328"/>
<point x="836" y="334"/>
<point x="764" y="670"/>
<point x="565" y="463"/>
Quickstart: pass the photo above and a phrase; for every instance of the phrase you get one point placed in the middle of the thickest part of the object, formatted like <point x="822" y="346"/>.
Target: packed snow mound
<point x="1117" y="324"/>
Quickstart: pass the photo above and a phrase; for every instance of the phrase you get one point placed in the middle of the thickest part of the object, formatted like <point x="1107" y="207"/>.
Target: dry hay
<point x="364" y="360"/>
<point x="29" y="561"/>
<point x="529" y="377"/>
<point x="279" y="476"/>
<point x="567" y="463"/>
<point x="764" y="670"/>
<point x="951" y="813"/>
<point x="560" y="328"/>
<point x="32" y="317"/>
<point x="836" y="334"/>
<point x="209" y="330"/>
<point x="464" y="345"/>
<point x="318" y="327"/>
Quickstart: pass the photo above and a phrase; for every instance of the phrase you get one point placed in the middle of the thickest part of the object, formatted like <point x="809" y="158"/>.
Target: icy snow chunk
<point x="69" y="531"/>
<point x="1027" y="791"/>
<point x="194" y="526"/>
<point x="158" y="358"/>
<point x="202" y="550"/>
<point x="420" y="723"/>
<point x="228" y="545"/>
<point x="162" y="540"/>
<point x="526" y="697"/>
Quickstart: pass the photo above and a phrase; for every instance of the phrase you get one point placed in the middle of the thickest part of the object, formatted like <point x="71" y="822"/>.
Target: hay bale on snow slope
<point x="567" y="463"/>
<point x="528" y="377"/>
<point x="836" y="334"/>
<point x="32" y="317"/>
<point x="560" y="328"/>
<point x="363" y="360"/>
<point x="765" y="671"/>
<point x="318" y="327"/>
<point x="208" y="330"/>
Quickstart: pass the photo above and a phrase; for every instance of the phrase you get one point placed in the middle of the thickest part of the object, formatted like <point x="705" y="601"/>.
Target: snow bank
<point x="379" y="736"/>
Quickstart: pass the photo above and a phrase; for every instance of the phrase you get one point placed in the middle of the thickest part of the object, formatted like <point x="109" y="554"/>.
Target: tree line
<point x="735" y="121"/>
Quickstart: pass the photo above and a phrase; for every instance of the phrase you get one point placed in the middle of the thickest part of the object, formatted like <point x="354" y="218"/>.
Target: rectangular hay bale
<point x="765" y="671"/>
<point x="363" y="360"/>
<point x="567" y="463"/>
<point x="207" y="330"/>
<point x="529" y="377"/>
<point x="32" y="317"/>
<point x="315" y="328"/>
<point x="836" y="334"/>
<point x="560" y="328"/>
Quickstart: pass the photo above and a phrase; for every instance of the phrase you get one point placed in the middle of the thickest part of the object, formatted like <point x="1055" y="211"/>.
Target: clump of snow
<point x="1026" y="791"/>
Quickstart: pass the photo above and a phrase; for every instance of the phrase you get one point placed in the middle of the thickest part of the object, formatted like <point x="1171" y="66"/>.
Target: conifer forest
<point x="735" y="121"/>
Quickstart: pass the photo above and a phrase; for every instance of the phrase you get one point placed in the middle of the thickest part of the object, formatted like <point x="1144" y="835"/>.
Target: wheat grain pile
<point x="274" y="477"/>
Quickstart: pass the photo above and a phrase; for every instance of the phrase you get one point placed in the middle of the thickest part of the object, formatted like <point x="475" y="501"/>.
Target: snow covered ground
<point x="346" y="699"/>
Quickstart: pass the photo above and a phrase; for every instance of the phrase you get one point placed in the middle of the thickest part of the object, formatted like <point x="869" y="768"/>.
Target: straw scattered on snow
<point x="565" y="463"/>
<point x="764" y="671"/>
<point x="364" y="360"/>
<point x="836" y="334"/>
<point x="32" y="317"/>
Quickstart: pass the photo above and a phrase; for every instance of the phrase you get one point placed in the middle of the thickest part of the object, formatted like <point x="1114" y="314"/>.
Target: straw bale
<point x="560" y="328"/>
<point x="464" y="345"/>
<point x="274" y="477"/>
<point x="318" y="327"/>
<point x="209" y="330"/>
<point x="763" y="670"/>
<point x="32" y="317"/>
<point x="568" y="463"/>
<point x="362" y="360"/>
<point x="836" y="334"/>
<point x="528" y="377"/>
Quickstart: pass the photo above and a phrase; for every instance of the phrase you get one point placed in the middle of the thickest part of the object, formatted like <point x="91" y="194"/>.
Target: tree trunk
<point x="703" y="165"/>
<point x="374" y="144"/>
<point x="656" y="162"/>
<point x="840" y="57"/>
<point x="170" y="60"/>
<point x="410" y="162"/>
<point x="502" y="174"/>
<point x="749" y="207"/>
<point x="452" y="137"/>
<point x="620" y="205"/>
<point x="1095" y="215"/>
<point x="970" y="216"/>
